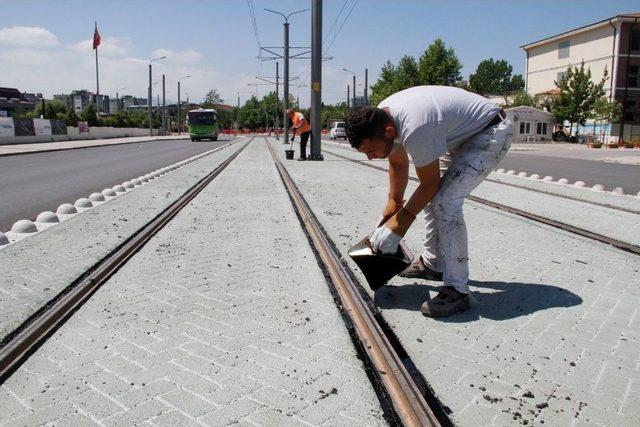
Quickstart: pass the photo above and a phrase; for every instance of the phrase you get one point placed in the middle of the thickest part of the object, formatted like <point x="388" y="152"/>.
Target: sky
<point x="45" y="46"/>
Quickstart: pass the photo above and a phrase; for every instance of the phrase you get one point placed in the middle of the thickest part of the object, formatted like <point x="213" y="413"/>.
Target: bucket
<point x="289" y="154"/>
<point x="379" y="268"/>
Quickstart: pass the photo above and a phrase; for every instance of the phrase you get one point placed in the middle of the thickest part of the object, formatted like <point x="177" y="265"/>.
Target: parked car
<point x="338" y="130"/>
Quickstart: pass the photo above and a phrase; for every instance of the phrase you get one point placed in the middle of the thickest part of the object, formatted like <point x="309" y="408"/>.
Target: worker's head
<point x="290" y="112"/>
<point x="371" y="131"/>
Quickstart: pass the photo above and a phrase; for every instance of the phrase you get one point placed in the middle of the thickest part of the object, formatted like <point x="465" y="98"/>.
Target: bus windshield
<point x="202" y="118"/>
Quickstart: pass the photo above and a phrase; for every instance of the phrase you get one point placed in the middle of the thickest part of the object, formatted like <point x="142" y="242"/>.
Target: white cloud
<point x="27" y="36"/>
<point x="185" y="56"/>
<point x="110" y="46"/>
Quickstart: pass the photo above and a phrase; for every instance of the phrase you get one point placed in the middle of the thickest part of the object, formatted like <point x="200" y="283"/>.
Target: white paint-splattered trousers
<point x="446" y="245"/>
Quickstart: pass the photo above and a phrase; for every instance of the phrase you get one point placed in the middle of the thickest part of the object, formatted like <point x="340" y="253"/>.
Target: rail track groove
<point x="406" y="399"/>
<point x="33" y="332"/>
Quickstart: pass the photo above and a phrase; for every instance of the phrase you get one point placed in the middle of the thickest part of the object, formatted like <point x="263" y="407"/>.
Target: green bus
<point x="203" y="124"/>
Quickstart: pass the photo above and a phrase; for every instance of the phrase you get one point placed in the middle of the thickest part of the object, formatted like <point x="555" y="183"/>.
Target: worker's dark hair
<point x="365" y="122"/>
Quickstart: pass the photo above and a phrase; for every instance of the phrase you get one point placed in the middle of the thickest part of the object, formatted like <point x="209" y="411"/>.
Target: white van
<point x="338" y="130"/>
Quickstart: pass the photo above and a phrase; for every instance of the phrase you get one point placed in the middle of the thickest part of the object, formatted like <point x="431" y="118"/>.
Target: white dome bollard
<point x="83" y="203"/>
<point x="119" y="189"/>
<point x="522" y="174"/>
<point x="500" y="170"/>
<point x="579" y="184"/>
<point x="535" y="176"/>
<point x="136" y="182"/>
<point x="96" y="197"/>
<point x="128" y="185"/>
<point x="66" y="209"/>
<point x="143" y="179"/>
<point x="24" y="226"/>
<point x="47" y="217"/>
<point x="598" y="187"/>
<point x="548" y="178"/>
<point x="563" y="181"/>
<point x="109" y="192"/>
<point x="3" y="239"/>
<point x="511" y="172"/>
<point x="618" y="190"/>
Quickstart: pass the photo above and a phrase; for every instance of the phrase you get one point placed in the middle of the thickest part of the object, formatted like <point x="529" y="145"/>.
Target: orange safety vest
<point x="300" y="123"/>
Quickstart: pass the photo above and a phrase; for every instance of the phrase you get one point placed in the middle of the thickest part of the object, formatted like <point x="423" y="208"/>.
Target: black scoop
<point x="378" y="268"/>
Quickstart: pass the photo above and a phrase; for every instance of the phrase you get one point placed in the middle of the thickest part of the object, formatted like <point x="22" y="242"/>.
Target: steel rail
<point x="32" y="334"/>
<point x="535" y="190"/>
<point x="405" y="397"/>
<point x="628" y="247"/>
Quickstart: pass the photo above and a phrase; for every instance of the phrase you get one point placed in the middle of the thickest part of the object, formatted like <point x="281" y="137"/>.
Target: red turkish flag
<point x="96" y="38"/>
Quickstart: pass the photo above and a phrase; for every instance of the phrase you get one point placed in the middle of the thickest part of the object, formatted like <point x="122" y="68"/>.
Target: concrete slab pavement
<point x="223" y="317"/>
<point x="552" y="335"/>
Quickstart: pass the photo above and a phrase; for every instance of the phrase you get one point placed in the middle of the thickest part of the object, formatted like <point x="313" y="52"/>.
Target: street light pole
<point x="164" y="109"/>
<point x="178" y="118"/>
<point x="348" y="96"/>
<point x="366" y="83"/>
<point x="286" y="69"/>
<point x="353" y="104"/>
<point x="277" y="124"/>
<point x="150" y="95"/>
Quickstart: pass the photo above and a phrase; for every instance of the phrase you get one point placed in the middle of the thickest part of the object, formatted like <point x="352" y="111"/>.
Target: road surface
<point x="32" y="183"/>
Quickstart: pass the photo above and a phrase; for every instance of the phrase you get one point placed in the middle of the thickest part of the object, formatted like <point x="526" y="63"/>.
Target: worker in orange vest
<point x="302" y="127"/>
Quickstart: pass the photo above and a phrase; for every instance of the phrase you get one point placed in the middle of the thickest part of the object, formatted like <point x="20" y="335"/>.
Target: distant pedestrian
<point x="302" y="127"/>
<point x="427" y="122"/>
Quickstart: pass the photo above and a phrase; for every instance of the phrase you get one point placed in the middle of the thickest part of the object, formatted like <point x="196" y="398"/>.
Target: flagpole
<point x="97" y="80"/>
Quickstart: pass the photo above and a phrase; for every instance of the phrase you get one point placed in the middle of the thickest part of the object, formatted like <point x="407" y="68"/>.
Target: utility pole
<point x="164" y="109"/>
<point x="277" y="124"/>
<point x="238" y="116"/>
<point x="178" y="119"/>
<point x="366" y="87"/>
<point x="348" y="96"/>
<point x="316" y="80"/>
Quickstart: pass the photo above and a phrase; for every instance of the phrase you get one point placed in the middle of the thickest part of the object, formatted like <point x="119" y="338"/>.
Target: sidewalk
<point x="553" y="333"/>
<point x="11" y="149"/>
<point x="223" y="317"/>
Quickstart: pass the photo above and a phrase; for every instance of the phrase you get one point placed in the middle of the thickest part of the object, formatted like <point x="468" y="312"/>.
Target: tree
<point x="439" y="65"/>
<point x="517" y="83"/>
<point x="578" y="95"/>
<point x="212" y="99"/>
<point x="71" y="118"/>
<point x="53" y="109"/>
<point x="251" y="114"/>
<point x="89" y="115"/>
<point x="385" y="86"/>
<point x="492" y="77"/>
<point x="605" y="111"/>
<point x="523" y="98"/>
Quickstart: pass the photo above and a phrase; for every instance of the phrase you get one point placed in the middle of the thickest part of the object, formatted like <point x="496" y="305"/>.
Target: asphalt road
<point x="32" y="183"/>
<point x="558" y="162"/>
<point x="592" y="172"/>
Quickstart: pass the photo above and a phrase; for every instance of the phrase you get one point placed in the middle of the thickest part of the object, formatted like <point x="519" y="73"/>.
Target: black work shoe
<point x="447" y="302"/>
<point x="302" y="159"/>
<point x="418" y="270"/>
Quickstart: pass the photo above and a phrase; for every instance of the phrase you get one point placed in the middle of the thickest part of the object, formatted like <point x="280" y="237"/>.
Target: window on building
<point x="525" y="127"/>
<point x="559" y="76"/>
<point x="629" y="111"/>
<point x="634" y="80"/>
<point x="541" y="128"/>
<point x="635" y="40"/>
<point x="563" y="49"/>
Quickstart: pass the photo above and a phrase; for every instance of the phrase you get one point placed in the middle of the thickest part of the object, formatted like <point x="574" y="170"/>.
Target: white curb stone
<point x="3" y="239"/>
<point x="563" y="181"/>
<point x="47" y="217"/>
<point x="579" y="184"/>
<point x="548" y="178"/>
<point x="618" y="190"/>
<point x="119" y="189"/>
<point x="522" y="174"/>
<point x="535" y="176"/>
<point x="96" y="197"/>
<point x="24" y="226"/>
<point x="598" y="187"/>
<point x="83" y="203"/>
<point x="109" y="192"/>
<point x="66" y="209"/>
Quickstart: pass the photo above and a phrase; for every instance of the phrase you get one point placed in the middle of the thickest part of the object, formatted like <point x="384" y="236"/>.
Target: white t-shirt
<point x="431" y="120"/>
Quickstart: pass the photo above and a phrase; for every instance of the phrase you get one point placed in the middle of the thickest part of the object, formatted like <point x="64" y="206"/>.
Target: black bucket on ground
<point x="289" y="154"/>
<point x="379" y="268"/>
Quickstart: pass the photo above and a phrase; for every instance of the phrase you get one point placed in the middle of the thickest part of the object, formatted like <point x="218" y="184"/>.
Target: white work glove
<point x="384" y="240"/>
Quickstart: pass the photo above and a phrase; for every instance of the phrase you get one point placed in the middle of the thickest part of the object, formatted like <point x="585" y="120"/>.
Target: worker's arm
<point x="398" y="178"/>
<point x="429" y="177"/>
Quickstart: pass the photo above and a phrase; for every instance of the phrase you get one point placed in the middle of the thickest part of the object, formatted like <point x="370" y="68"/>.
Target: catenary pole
<point x="316" y="79"/>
